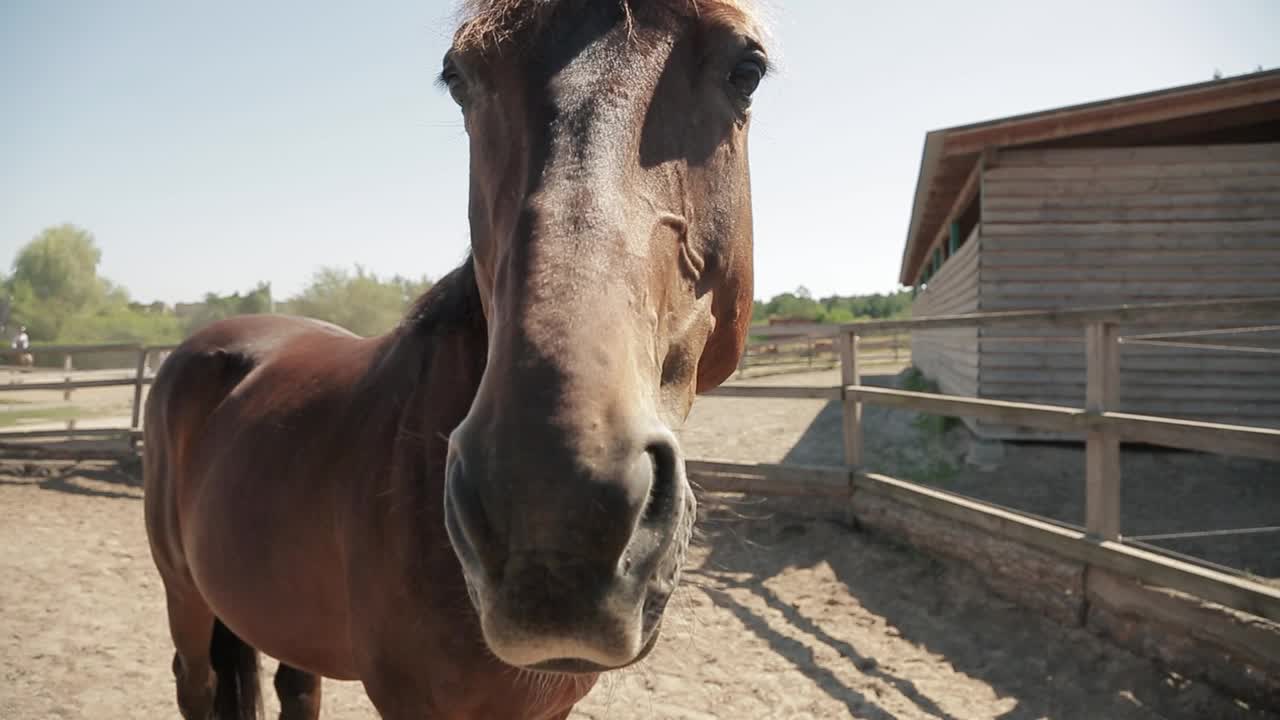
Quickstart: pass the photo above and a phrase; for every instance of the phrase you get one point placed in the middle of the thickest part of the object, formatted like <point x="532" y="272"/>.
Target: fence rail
<point x="1100" y="542"/>
<point x="1071" y="543"/>
<point x="138" y="380"/>
<point x="72" y="349"/>
<point x="805" y="349"/>
<point x="72" y="384"/>
<point x="1180" y="312"/>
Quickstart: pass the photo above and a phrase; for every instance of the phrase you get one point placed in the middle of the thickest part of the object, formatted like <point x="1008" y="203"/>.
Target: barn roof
<point x="1244" y="108"/>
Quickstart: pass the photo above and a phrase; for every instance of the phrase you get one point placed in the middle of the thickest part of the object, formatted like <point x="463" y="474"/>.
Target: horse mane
<point x="453" y="302"/>
<point x="490" y="23"/>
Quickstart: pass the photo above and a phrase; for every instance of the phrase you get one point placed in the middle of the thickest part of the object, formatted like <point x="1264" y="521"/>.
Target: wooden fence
<point x="817" y="348"/>
<point x="138" y="380"/>
<point x="1100" y="543"/>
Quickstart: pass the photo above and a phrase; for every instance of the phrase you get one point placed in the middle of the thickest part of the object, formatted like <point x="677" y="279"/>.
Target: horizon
<point x="209" y="149"/>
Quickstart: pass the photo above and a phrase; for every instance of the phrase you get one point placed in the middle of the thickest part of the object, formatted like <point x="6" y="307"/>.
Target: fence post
<point x="66" y="366"/>
<point x="849" y="375"/>
<point x="1102" y="448"/>
<point x="141" y="375"/>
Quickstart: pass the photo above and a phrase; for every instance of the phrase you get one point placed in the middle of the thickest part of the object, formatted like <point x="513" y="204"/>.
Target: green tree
<point x="359" y="301"/>
<point x="219" y="307"/>
<point x="793" y="306"/>
<point x="837" y="316"/>
<point x="54" y="277"/>
<point x="56" y="291"/>
<point x="117" y="322"/>
<point x="834" y="309"/>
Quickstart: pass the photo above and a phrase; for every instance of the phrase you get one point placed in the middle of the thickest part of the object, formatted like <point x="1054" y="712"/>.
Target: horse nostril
<point x="470" y="524"/>
<point x="663" y="489"/>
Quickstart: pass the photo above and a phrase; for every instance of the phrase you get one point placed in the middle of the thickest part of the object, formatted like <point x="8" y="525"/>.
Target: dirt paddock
<point x="785" y="613"/>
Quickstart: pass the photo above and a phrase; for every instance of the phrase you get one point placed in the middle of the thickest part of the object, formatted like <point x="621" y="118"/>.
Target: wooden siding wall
<point x="950" y="357"/>
<point x="1067" y="228"/>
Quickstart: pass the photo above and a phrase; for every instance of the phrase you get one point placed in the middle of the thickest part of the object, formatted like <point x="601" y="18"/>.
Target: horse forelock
<point x="491" y="23"/>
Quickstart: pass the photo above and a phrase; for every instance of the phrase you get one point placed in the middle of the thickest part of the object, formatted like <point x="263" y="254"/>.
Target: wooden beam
<point x="8" y="435"/>
<point x="67" y="451"/>
<point x="140" y="377"/>
<point x="1204" y="346"/>
<point x="769" y="479"/>
<point x="1102" y="443"/>
<point x="801" y="343"/>
<point x="851" y="376"/>
<point x="1110" y="115"/>
<point x="1148" y="567"/>
<point x="1243" y="440"/>
<point x="797" y="331"/>
<point x="968" y="191"/>
<point x="1044" y="417"/>
<point x="72" y="385"/>
<point x="1185" y="312"/>
<point x="775" y="391"/>
<point x="72" y="349"/>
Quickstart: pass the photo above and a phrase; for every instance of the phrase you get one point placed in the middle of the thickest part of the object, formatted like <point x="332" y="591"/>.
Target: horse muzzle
<point x="569" y="567"/>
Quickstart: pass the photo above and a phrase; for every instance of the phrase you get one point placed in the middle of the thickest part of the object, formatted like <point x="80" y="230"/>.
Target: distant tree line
<point x="55" y="290"/>
<point x="801" y="306"/>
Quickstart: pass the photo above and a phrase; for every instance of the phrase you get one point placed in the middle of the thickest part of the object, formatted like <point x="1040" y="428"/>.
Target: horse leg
<point x="191" y="626"/>
<point x="299" y="693"/>
<point x="215" y="671"/>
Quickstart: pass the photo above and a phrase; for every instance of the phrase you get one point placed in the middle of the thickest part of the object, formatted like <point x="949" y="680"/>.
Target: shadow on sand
<point x="103" y="480"/>
<point x="1048" y="670"/>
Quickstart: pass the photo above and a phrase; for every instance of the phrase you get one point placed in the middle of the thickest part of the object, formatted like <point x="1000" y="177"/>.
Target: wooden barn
<point x="1165" y="196"/>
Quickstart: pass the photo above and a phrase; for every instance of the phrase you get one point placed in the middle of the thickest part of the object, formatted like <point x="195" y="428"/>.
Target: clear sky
<point x="209" y="146"/>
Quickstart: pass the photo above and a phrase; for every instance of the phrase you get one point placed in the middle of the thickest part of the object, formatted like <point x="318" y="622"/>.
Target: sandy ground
<point x="784" y="613"/>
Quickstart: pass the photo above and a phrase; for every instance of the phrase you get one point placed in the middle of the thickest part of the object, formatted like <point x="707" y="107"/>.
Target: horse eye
<point x="453" y="81"/>
<point x="746" y="76"/>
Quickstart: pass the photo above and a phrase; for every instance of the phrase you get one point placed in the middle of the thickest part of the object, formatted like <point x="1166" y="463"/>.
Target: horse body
<point x="296" y="550"/>
<point x="254" y="524"/>
<point x="479" y="512"/>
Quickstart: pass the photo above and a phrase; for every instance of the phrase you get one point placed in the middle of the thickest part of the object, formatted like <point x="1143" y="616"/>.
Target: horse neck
<point x="444" y="368"/>
<point x="419" y="390"/>
<point x="451" y="377"/>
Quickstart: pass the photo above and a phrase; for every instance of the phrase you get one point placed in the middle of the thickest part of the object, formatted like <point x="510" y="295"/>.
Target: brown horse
<point x="482" y="510"/>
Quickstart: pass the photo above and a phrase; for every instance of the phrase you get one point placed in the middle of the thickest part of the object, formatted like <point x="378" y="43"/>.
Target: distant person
<point x="22" y="343"/>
